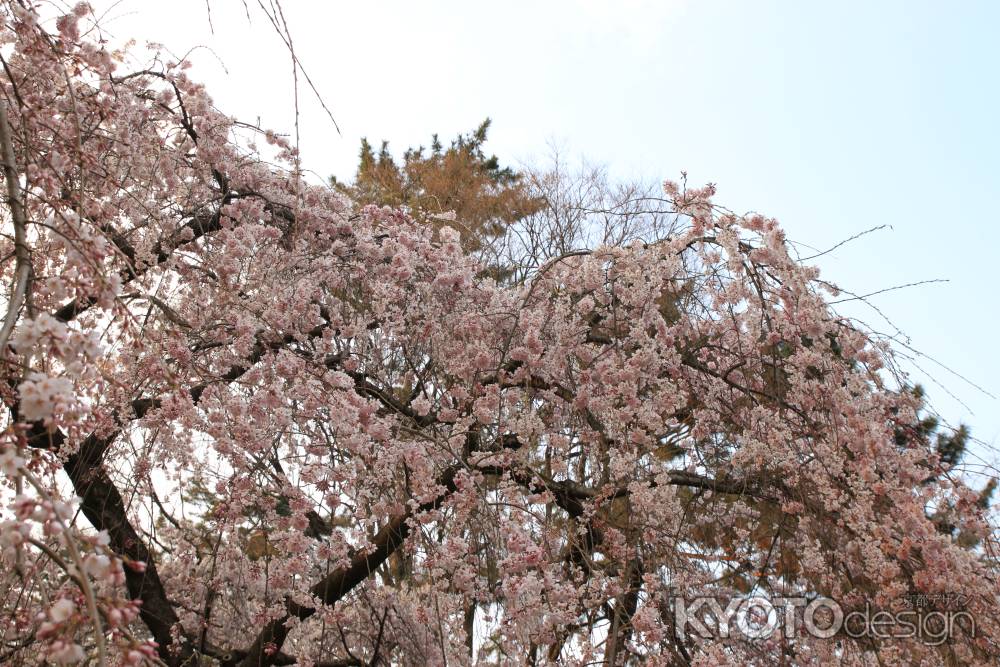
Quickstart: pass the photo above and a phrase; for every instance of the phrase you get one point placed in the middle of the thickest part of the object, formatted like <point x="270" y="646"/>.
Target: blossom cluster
<point x="302" y="431"/>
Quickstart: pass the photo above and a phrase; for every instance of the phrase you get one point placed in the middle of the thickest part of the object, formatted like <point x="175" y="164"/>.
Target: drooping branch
<point x="195" y="228"/>
<point x="22" y="256"/>
<point x="332" y="588"/>
<point x="624" y="610"/>
<point x="104" y="507"/>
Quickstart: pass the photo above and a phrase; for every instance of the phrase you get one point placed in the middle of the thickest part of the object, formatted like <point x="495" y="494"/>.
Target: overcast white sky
<point x="832" y="117"/>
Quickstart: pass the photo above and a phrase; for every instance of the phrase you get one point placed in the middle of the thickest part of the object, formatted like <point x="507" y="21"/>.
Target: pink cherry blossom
<point x="251" y="422"/>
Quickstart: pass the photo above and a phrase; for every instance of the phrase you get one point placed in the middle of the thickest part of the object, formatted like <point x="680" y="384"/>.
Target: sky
<point x="832" y="117"/>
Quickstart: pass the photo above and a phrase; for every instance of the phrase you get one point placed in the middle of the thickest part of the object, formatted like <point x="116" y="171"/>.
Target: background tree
<point x="485" y="197"/>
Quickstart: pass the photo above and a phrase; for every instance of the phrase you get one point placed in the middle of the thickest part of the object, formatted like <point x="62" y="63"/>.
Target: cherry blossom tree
<point x="252" y="423"/>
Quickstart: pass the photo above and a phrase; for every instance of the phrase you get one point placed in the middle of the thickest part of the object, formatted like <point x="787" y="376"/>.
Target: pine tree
<point x="485" y="197"/>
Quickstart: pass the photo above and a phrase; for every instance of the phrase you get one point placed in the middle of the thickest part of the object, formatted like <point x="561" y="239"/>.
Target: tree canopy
<point x="253" y="420"/>
<point x="460" y="185"/>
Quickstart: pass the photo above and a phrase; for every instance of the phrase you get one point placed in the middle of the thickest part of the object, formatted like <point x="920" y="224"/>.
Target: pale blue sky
<point x="833" y="117"/>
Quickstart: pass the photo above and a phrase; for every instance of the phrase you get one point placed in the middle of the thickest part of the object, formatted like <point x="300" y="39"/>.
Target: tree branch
<point x="22" y="271"/>
<point x="342" y="581"/>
